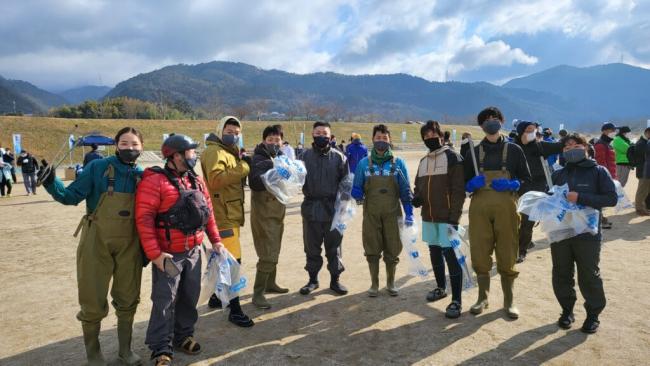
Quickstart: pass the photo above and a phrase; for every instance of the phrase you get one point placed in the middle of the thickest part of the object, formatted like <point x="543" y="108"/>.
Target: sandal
<point x="453" y="310"/>
<point x="436" y="294"/>
<point x="163" y="360"/>
<point x="189" y="346"/>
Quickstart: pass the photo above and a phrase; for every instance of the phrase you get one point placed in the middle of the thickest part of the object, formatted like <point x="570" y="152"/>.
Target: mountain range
<point x="562" y="94"/>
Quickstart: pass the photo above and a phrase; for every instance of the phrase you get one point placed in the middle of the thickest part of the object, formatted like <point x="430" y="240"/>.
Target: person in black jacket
<point x="643" y="189"/>
<point x="267" y="213"/>
<point x="537" y="154"/>
<point x="92" y="155"/>
<point x="590" y="185"/>
<point x="326" y="168"/>
<point x="29" y="167"/>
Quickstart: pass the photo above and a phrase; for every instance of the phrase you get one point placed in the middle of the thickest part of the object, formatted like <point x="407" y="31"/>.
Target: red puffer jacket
<point x="605" y="155"/>
<point x="156" y="194"/>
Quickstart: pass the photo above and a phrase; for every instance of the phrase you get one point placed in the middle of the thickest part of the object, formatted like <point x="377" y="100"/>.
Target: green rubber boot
<point x="124" y="334"/>
<point x="390" y="279"/>
<point x="483" y="291"/>
<point x="373" y="265"/>
<point x="91" y="341"/>
<point x="272" y="287"/>
<point x="508" y="284"/>
<point x="261" y="278"/>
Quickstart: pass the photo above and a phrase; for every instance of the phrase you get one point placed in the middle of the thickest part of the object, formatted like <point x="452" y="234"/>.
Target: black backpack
<point x="190" y="213"/>
<point x="631" y="155"/>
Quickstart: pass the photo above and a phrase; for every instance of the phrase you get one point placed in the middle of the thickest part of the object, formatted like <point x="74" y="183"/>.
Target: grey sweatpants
<point x="173" y="314"/>
<point x="315" y="234"/>
<point x="622" y="173"/>
<point x="29" y="180"/>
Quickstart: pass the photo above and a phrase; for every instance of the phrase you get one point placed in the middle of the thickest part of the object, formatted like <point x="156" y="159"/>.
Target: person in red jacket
<point x="606" y="157"/>
<point x="172" y="212"/>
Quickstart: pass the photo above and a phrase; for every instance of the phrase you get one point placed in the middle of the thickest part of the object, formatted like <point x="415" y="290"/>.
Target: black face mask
<point x="492" y="127"/>
<point x="272" y="149"/>
<point x="321" y="142"/>
<point x="433" y="144"/>
<point x="128" y="156"/>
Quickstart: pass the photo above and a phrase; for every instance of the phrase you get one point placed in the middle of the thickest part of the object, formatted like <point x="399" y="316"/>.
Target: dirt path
<point x="38" y="305"/>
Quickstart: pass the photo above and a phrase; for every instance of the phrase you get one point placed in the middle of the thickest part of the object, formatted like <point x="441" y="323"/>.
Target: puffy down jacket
<point x="156" y="194"/>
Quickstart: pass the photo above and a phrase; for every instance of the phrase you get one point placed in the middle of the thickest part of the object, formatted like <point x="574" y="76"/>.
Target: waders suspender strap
<point x="371" y="167"/>
<point x="110" y="173"/>
<point x="504" y="158"/>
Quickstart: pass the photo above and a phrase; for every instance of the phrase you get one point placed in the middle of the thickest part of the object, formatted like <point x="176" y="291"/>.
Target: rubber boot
<point x="124" y="334"/>
<point x="91" y="341"/>
<point x="374" y="278"/>
<point x="507" y="284"/>
<point x="261" y="278"/>
<point x="390" y="279"/>
<point x="272" y="287"/>
<point x="483" y="291"/>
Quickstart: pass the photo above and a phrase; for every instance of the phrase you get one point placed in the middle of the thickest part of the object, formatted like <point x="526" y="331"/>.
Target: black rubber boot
<point x="237" y="316"/>
<point x="214" y="302"/>
<point x="336" y="286"/>
<point x="311" y="285"/>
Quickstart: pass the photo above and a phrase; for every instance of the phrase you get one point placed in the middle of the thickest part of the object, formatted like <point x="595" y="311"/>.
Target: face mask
<point x="531" y="136"/>
<point x="433" y="144"/>
<point x="611" y="135"/>
<point x="321" y="142"/>
<point x="230" y="139"/>
<point x="574" y="155"/>
<point x="492" y="127"/>
<point x="272" y="149"/>
<point x="191" y="163"/>
<point x="464" y="141"/>
<point x="381" y="145"/>
<point x="128" y="156"/>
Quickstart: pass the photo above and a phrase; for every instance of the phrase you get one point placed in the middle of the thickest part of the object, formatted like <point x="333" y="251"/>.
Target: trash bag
<point x="623" y="202"/>
<point x="559" y="218"/>
<point x="286" y="178"/>
<point x="221" y="277"/>
<point x="409" y="237"/>
<point x="345" y="207"/>
<point x="461" y="247"/>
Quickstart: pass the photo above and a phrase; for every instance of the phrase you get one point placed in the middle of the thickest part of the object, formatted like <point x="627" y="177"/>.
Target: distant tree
<point x="241" y="111"/>
<point x="258" y="107"/>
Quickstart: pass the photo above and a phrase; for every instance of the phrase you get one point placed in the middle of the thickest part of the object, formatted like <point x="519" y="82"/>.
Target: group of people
<point x="28" y="166"/>
<point x="162" y="214"/>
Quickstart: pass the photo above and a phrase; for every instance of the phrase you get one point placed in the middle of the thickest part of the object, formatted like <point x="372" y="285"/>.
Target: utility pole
<point x="14" y="107"/>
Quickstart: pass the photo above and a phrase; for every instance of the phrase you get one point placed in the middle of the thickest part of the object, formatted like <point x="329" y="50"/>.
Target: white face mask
<point x="611" y="135"/>
<point x="531" y="136"/>
<point x="464" y="141"/>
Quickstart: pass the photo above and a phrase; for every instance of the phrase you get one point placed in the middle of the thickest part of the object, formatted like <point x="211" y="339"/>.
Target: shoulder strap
<point x="504" y="157"/>
<point x="110" y="173"/>
<point x="481" y="157"/>
<point x="393" y="168"/>
<point x="370" y="166"/>
<point x="172" y="179"/>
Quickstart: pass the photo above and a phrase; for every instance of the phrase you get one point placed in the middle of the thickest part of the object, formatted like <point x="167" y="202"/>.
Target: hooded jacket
<point x="440" y="186"/>
<point x="594" y="185"/>
<point x="223" y="172"/>
<point x="355" y="151"/>
<point x="621" y="144"/>
<point x="533" y="151"/>
<point x="605" y="155"/>
<point x="261" y="163"/>
<point x="28" y="163"/>
<point x="325" y="170"/>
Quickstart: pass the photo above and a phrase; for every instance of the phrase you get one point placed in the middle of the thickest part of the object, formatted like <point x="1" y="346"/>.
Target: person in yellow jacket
<point x="224" y="173"/>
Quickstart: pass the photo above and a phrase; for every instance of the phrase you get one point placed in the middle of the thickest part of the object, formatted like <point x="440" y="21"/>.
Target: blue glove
<point x="514" y="185"/>
<point x="408" y="220"/>
<point x="501" y="185"/>
<point x="475" y="184"/>
<point x="357" y="193"/>
<point x="408" y="214"/>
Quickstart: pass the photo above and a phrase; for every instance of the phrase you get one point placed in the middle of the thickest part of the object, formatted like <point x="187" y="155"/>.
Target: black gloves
<point x="416" y="202"/>
<point x="45" y="175"/>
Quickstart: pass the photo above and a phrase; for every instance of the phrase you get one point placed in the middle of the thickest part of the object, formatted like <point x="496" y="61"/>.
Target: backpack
<point x="631" y="155"/>
<point x="190" y="213"/>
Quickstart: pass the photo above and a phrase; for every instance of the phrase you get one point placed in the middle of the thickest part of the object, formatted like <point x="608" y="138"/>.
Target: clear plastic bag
<point x="221" y="277"/>
<point x="559" y="218"/>
<point x="286" y="178"/>
<point x="345" y="207"/>
<point x="461" y="247"/>
<point x="623" y="202"/>
<point x="409" y="237"/>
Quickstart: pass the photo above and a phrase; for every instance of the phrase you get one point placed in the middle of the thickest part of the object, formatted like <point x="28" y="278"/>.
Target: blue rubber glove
<point x="408" y="214"/>
<point x="357" y="193"/>
<point x="501" y="185"/>
<point x="475" y="184"/>
<point x="514" y="185"/>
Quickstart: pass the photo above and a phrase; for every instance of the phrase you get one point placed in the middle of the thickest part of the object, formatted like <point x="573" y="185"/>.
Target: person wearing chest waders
<point x="381" y="181"/>
<point x="494" y="172"/>
<point x="267" y="217"/>
<point x="108" y="245"/>
<point x="592" y="186"/>
<point x="173" y="212"/>
<point x="224" y="173"/>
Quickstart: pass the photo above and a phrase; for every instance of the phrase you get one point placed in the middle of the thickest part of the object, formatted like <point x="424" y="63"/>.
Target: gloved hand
<point x="416" y="202"/>
<point x="408" y="220"/>
<point x="357" y="194"/>
<point x="514" y="185"/>
<point x="45" y="175"/>
<point x="500" y="184"/>
<point x="475" y="184"/>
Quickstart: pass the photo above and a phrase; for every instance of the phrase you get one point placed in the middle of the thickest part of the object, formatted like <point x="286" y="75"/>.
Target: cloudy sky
<point x="59" y="44"/>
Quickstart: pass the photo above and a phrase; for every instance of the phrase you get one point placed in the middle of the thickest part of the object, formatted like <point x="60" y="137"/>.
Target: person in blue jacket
<point x="381" y="181"/>
<point x="109" y="248"/>
<point x="355" y="151"/>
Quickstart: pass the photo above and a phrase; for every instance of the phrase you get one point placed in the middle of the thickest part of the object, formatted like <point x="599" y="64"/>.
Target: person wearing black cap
<point x="536" y="154"/>
<point x="92" y="155"/>
<point x="605" y="156"/>
<point x="621" y="144"/>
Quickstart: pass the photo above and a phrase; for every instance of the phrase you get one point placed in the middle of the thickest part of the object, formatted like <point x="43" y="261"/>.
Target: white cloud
<point x="69" y="43"/>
